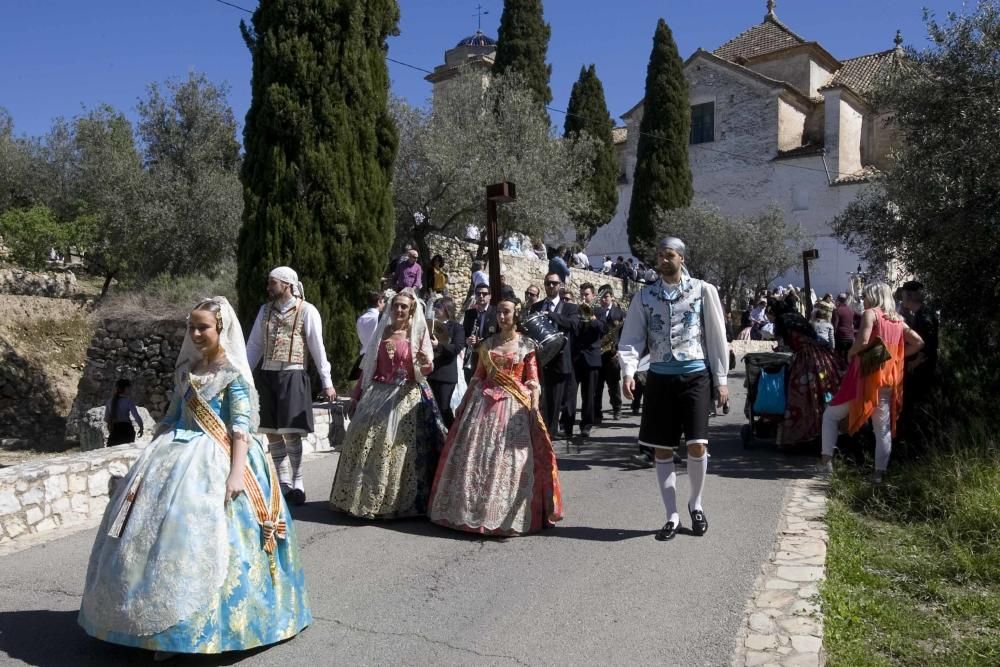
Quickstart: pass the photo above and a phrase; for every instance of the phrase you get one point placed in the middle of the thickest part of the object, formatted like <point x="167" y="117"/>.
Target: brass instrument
<point x="609" y="342"/>
<point x="587" y="312"/>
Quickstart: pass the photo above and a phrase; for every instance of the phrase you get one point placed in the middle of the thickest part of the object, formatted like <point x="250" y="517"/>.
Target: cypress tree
<point x="588" y="113"/>
<point x="662" y="173"/>
<point x="319" y="152"/>
<point x="522" y="44"/>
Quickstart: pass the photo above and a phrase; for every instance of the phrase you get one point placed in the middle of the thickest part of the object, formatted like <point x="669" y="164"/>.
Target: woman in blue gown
<point x="196" y="552"/>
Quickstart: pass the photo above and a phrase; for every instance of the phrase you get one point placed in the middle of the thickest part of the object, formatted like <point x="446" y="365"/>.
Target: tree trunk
<point x="107" y="284"/>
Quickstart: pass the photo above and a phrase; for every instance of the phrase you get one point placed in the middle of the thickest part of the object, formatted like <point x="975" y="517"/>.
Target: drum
<point x="546" y="335"/>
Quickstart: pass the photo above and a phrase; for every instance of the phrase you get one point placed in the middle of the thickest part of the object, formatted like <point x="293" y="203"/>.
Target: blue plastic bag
<point x="770" y="393"/>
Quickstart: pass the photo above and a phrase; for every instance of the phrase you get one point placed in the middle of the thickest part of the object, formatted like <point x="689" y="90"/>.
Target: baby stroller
<point x="766" y="377"/>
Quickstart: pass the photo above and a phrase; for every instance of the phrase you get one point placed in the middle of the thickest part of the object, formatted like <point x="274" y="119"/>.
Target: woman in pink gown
<point x="497" y="473"/>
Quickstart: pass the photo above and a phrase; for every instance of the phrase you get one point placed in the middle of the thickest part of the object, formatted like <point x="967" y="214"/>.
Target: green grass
<point x="914" y="566"/>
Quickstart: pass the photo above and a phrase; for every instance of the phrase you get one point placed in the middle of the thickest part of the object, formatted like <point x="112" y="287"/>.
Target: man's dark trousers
<point x="553" y="396"/>
<point x="610" y="375"/>
<point x="586" y="380"/>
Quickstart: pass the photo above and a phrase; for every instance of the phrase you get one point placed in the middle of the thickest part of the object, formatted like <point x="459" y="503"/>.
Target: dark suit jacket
<point x="566" y="317"/>
<point x="587" y="341"/>
<point x="469" y="323"/>
<point x="445" y="366"/>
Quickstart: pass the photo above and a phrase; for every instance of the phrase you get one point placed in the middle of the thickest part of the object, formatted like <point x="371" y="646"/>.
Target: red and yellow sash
<point x="508" y="383"/>
<point x="267" y="511"/>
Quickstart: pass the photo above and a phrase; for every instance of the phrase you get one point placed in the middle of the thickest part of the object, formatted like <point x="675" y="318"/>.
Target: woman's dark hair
<point x="448" y="304"/>
<point x="437" y="258"/>
<point x="788" y="323"/>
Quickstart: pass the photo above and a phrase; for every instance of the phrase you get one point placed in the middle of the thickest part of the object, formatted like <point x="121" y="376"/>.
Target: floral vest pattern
<point x="675" y="326"/>
<point x="285" y="341"/>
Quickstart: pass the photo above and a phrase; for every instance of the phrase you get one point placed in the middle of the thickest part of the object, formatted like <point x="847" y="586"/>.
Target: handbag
<point x="873" y="357"/>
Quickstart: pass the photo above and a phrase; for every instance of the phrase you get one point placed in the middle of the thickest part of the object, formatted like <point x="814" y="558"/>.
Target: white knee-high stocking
<point x="276" y="446"/>
<point x="697" y="469"/>
<point x="293" y="445"/>
<point x="666" y="477"/>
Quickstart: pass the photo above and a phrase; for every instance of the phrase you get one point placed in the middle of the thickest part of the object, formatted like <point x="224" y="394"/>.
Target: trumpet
<point x="586" y="312"/>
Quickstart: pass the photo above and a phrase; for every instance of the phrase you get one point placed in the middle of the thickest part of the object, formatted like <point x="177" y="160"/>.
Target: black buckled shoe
<point x="699" y="522"/>
<point x="296" y="497"/>
<point x="668" y="532"/>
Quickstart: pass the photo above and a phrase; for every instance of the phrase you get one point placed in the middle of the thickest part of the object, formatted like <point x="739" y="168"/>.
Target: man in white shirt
<point x="581" y="261"/>
<point x="679" y="319"/>
<point x="369" y="319"/>
<point x="287" y="332"/>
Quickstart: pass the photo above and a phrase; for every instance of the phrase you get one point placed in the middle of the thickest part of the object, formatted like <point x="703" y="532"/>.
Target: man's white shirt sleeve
<point x="632" y="343"/>
<point x="716" y="347"/>
<point x="312" y="327"/>
<point x="255" y="344"/>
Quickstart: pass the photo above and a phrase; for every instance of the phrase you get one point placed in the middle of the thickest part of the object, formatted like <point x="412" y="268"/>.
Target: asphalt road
<point x="595" y="590"/>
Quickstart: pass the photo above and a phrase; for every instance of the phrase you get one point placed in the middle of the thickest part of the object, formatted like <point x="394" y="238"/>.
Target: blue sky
<point x="57" y="56"/>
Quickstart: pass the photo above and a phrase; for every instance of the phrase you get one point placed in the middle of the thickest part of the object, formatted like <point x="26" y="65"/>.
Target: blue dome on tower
<point x="479" y="39"/>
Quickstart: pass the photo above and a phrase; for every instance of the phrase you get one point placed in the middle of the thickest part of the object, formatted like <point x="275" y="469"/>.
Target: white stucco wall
<point x="842" y="131"/>
<point x="791" y="125"/>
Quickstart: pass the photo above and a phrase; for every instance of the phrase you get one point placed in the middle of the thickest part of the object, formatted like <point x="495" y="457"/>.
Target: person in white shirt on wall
<point x="287" y="332"/>
<point x="679" y="319"/>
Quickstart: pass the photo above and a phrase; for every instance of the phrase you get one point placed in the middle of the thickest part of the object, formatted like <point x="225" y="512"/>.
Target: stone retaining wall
<point x="519" y="271"/>
<point x="30" y="283"/>
<point x="72" y="490"/>
<point x="62" y="491"/>
<point x="143" y="352"/>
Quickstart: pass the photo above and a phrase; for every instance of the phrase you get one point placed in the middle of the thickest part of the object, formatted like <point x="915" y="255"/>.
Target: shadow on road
<point x="729" y="457"/>
<point x="320" y="512"/>
<point x="48" y="638"/>
<point x="589" y="534"/>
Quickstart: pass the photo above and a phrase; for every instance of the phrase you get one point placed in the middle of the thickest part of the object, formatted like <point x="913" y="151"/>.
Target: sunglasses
<point x="533" y="295"/>
<point x="482" y="293"/>
<point x="552" y="282"/>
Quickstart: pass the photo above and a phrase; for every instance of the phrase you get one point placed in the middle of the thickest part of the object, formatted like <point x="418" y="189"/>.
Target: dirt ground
<point x="52" y="336"/>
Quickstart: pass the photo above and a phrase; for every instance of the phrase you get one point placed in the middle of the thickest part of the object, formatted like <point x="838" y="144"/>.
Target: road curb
<point x="783" y="622"/>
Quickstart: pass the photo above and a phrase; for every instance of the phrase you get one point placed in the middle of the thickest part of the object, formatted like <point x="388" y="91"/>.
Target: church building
<point x="775" y="120"/>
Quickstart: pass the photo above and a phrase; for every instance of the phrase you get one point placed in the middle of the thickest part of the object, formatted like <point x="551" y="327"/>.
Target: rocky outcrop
<point x="30" y="283"/>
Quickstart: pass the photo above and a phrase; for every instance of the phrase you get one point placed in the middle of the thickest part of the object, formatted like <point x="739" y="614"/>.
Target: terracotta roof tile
<point x="767" y="37"/>
<point x="862" y="73"/>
